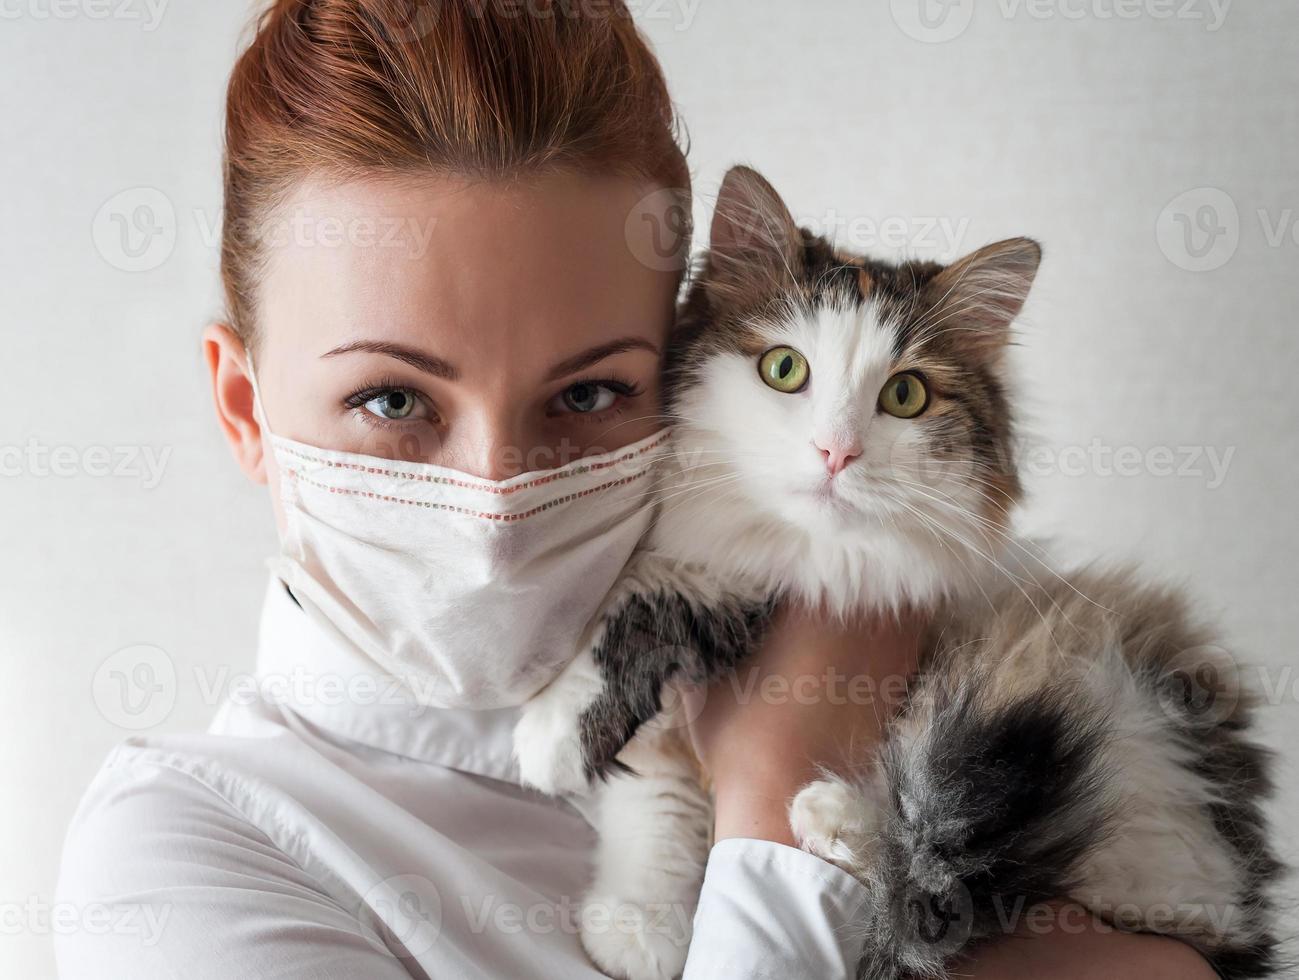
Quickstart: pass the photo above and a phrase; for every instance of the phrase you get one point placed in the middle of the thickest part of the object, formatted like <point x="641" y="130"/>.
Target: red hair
<point x="476" y="88"/>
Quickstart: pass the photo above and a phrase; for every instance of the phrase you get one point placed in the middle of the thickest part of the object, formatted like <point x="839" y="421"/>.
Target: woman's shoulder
<point x="169" y="857"/>
<point x="166" y="810"/>
<point x="153" y="803"/>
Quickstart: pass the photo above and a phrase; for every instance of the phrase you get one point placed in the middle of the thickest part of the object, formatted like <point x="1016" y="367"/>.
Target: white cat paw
<point x="821" y="815"/>
<point x="631" y="941"/>
<point x="548" y="745"/>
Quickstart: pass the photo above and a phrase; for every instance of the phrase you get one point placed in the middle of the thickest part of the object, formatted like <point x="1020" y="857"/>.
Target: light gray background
<point x="1099" y="126"/>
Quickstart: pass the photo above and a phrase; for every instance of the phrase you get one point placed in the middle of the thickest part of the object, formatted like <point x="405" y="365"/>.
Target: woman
<point x="452" y="240"/>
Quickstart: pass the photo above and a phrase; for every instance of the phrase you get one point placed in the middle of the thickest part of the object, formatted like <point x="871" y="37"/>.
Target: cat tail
<point x="976" y="812"/>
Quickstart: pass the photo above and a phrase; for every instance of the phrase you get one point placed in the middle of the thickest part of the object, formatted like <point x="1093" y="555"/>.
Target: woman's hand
<point x="1063" y="940"/>
<point x="817" y="695"/>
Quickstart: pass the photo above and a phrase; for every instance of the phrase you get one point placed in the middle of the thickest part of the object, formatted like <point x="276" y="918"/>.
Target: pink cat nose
<point x="839" y="455"/>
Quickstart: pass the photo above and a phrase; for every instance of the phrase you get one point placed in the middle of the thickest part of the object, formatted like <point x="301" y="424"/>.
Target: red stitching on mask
<point x="486" y="515"/>
<point x="468" y="485"/>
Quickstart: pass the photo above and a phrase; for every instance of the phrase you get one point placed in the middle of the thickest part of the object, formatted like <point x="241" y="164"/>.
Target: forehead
<point x="841" y="337"/>
<point x="479" y="268"/>
<point x="856" y="315"/>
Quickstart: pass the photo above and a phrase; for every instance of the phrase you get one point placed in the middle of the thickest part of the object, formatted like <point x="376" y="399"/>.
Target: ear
<point x="755" y="246"/>
<point x="985" y="291"/>
<point x="232" y="393"/>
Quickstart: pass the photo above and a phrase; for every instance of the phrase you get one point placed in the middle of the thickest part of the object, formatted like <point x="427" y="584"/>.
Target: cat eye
<point x="784" y="369"/>
<point x="905" y="395"/>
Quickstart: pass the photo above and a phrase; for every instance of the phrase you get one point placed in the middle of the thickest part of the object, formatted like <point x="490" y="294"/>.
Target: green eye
<point x="784" y="369"/>
<point x="905" y="395"/>
<point x="395" y="404"/>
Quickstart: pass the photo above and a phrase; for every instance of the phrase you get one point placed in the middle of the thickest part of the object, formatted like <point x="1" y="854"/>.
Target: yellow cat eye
<point x="905" y="395"/>
<point x="784" y="369"/>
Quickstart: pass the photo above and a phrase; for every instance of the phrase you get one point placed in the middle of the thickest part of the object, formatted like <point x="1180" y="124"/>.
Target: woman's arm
<point x="817" y="696"/>
<point x="814" y="697"/>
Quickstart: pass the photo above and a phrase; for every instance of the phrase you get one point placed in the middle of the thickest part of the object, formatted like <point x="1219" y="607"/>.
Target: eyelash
<point x="383" y="386"/>
<point x="622" y="388"/>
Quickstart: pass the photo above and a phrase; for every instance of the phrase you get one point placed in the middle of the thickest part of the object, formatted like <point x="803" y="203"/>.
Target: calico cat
<point x="843" y="437"/>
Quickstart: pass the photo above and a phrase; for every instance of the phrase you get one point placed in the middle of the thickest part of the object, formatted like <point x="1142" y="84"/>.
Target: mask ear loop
<point x="259" y="407"/>
<point x="279" y="565"/>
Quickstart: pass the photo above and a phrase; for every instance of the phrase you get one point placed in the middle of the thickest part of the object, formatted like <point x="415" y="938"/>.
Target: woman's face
<point x="493" y="328"/>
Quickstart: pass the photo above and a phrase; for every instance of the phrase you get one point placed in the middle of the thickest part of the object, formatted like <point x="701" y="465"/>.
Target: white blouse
<point x="327" y="826"/>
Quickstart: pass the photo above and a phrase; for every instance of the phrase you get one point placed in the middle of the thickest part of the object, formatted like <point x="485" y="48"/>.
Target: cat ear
<point x="985" y="291"/>
<point x="755" y="246"/>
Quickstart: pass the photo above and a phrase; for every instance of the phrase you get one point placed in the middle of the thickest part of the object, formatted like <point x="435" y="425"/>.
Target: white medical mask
<point x="474" y="592"/>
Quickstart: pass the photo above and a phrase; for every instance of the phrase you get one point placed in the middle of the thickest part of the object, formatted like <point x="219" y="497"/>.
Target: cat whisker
<point x="1004" y="532"/>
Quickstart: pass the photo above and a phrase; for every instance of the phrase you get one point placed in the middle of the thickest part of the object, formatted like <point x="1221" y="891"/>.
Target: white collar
<point x="338" y="690"/>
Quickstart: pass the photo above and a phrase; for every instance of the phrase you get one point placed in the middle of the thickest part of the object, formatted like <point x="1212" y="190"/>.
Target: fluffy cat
<point x="843" y="437"/>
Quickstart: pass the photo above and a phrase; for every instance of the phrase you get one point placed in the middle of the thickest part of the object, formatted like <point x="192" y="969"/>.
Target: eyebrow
<point x="427" y="363"/>
<point x="595" y="355"/>
<point x="440" y="368"/>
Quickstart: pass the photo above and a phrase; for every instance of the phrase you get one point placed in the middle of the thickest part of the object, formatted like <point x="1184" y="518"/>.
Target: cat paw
<point x="631" y="941"/>
<point x="548" y="745"/>
<point x="822" y="815"/>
